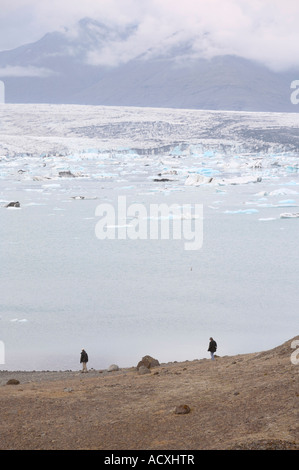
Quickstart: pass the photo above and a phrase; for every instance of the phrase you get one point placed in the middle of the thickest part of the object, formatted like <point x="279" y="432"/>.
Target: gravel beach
<point x="248" y="401"/>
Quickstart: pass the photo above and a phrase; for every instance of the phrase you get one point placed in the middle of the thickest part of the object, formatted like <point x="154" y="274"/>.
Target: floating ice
<point x="287" y="201"/>
<point x="16" y="320"/>
<point x="197" y="180"/>
<point x="241" y="211"/>
<point x="34" y="204"/>
<point x="207" y="171"/>
<point x="292" y="169"/>
<point x="266" y="219"/>
<point x="289" y="215"/>
<point x="13" y="208"/>
<point x="282" y="192"/>
<point x="262" y="194"/>
<point x="51" y="185"/>
<point x="240" y="180"/>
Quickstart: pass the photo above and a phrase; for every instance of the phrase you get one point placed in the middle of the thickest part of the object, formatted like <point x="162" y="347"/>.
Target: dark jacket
<point x="212" y="346"/>
<point x="84" y="356"/>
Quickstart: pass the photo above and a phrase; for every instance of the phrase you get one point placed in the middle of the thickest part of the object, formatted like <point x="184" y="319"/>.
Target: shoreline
<point x="241" y="402"/>
<point x="26" y="376"/>
<point x="47" y="374"/>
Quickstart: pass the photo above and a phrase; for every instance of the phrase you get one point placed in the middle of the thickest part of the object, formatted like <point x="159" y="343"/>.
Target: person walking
<point x="84" y="360"/>
<point x="212" y="348"/>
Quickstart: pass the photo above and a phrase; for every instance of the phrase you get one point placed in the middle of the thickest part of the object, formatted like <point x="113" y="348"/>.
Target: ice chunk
<point x="197" y="180"/>
<point x="241" y="211"/>
<point x="262" y="194"/>
<point x="34" y="204"/>
<point x="289" y="215"/>
<point x="292" y="169"/>
<point x="282" y="192"/>
<point x="287" y="201"/>
<point x="265" y="219"/>
<point x="240" y="180"/>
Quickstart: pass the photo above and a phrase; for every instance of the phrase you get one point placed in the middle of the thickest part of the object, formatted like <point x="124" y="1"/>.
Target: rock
<point x="143" y="370"/>
<point x="13" y="204"/>
<point x="182" y="410"/>
<point x="113" y="368"/>
<point x="12" y="382"/>
<point x="148" y="361"/>
<point x="161" y="180"/>
<point x="66" y="174"/>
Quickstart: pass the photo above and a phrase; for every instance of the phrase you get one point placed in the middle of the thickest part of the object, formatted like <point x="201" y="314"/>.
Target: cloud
<point x="30" y="71"/>
<point x="263" y="30"/>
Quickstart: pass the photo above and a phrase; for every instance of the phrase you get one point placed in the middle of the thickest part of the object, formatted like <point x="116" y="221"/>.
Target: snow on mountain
<point x="94" y="64"/>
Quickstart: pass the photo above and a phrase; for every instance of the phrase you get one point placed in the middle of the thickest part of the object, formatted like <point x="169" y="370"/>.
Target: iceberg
<point x="289" y="215"/>
<point x="266" y="219"/>
<point x="241" y="211"/>
<point x="282" y="192"/>
<point x="197" y="180"/>
<point x="287" y="202"/>
<point x="240" y="180"/>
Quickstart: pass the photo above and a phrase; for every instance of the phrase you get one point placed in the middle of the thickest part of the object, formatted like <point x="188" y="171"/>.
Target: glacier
<point x="39" y="141"/>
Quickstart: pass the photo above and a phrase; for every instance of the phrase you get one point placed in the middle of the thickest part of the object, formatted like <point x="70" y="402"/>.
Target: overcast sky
<point x="265" y="30"/>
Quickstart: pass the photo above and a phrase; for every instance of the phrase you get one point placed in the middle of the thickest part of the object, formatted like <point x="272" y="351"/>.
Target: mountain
<point x="54" y="68"/>
<point x="64" y="67"/>
<point x="222" y="83"/>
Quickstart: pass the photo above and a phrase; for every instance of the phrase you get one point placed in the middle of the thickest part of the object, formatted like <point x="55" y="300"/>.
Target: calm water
<point x="63" y="289"/>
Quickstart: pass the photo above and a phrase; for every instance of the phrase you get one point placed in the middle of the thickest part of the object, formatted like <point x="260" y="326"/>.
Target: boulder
<point x="161" y="180"/>
<point x="12" y="382"/>
<point x="66" y="174"/>
<point x="143" y="370"/>
<point x="148" y="361"/>
<point x="182" y="410"/>
<point x="113" y="368"/>
<point x="13" y="204"/>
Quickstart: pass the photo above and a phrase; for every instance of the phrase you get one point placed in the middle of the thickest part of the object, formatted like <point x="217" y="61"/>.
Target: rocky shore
<point x="247" y="401"/>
